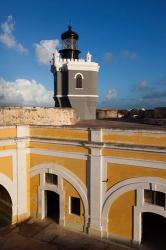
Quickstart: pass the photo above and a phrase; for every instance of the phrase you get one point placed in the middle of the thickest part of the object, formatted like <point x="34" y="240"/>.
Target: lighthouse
<point x="75" y="79"/>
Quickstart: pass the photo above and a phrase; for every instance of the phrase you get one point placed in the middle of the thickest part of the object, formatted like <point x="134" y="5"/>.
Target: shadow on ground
<point x="46" y="234"/>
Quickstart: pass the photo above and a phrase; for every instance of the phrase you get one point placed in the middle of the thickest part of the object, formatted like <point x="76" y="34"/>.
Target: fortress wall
<point x="37" y="116"/>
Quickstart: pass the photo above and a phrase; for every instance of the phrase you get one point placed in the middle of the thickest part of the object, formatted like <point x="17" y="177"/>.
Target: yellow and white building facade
<point x="96" y="180"/>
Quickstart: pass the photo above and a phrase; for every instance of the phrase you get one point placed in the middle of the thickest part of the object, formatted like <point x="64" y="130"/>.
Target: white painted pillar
<point x="137" y="235"/>
<point x="15" y="203"/>
<point x="137" y="227"/>
<point x="22" y="208"/>
<point x="140" y="197"/>
<point x="41" y="212"/>
<point x="61" y="200"/>
<point x="96" y="184"/>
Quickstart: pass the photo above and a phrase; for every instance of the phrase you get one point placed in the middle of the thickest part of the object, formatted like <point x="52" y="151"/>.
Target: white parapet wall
<point x="37" y="116"/>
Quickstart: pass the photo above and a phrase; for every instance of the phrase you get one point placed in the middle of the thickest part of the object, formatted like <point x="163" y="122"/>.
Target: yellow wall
<point x="134" y="154"/>
<point x="120" y="213"/>
<point x="58" y="147"/>
<point x="6" y="166"/>
<point x="132" y="137"/>
<point x="7" y="132"/>
<point x="120" y="172"/>
<point x="63" y="133"/>
<point x="71" y="218"/>
<point x="78" y="167"/>
<point x="7" y="147"/>
<point x="120" y="216"/>
<point x="34" y="183"/>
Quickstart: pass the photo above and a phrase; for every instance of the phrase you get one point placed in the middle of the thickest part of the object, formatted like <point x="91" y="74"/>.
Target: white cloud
<point x="23" y="92"/>
<point x="143" y="86"/>
<point x="45" y="49"/>
<point x="111" y="95"/>
<point x="7" y="38"/>
<point x="129" y="55"/>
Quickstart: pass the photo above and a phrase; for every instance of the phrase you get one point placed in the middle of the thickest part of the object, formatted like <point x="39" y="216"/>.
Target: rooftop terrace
<point x="133" y="124"/>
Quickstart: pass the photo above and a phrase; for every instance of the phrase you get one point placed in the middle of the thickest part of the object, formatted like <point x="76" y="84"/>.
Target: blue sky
<point x="127" y="38"/>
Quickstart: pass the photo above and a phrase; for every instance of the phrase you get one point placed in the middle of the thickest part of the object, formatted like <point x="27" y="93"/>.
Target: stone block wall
<point x="37" y="116"/>
<point x="106" y="113"/>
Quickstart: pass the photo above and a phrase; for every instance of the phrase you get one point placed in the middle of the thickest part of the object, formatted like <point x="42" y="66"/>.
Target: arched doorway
<point x="52" y="205"/>
<point x="5" y="207"/>
<point x="62" y="173"/>
<point x="153" y="231"/>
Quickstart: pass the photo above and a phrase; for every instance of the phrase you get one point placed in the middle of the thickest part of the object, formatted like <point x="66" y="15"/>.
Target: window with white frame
<point x="79" y="78"/>
<point x="51" y="178"/>
<point x="75" y="205"/>
<point x="154" y="197"/>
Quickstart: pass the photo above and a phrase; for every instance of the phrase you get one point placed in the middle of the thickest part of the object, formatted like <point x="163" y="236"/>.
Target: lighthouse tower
<point x="75" y="80"/>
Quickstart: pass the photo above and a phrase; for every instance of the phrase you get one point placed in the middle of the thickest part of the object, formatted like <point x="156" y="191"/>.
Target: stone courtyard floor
<point x="44" y="235"/>
<point x="47" y="235"/>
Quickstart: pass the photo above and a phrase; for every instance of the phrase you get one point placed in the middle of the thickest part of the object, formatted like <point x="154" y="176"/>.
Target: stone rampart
<point x="37" y="116"/>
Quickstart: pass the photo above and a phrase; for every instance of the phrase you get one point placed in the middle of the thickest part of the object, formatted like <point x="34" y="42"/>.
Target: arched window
<point x="79" y="81"/>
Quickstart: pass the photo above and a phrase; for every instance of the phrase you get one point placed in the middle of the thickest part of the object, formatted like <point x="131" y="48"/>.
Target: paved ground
<point x="44" y="235"/>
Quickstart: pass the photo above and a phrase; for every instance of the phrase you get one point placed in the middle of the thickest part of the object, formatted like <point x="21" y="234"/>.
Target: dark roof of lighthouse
<point x="69" y="34"/>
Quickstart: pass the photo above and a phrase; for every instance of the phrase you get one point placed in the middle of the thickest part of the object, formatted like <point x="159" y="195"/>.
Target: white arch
<point x="69" y="176"/>
<point x="78" y="74"/>
<point x="6" y="182"/>
<point x="154" y="183"/>
<point x="52" y="188"/>
<point x="153" y="209"/>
